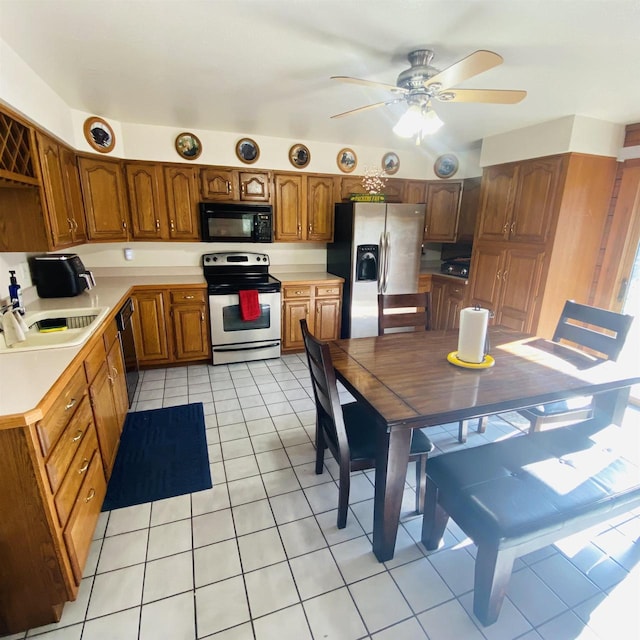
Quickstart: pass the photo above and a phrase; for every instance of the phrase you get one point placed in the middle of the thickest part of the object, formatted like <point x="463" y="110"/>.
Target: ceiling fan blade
<point x="375" y="105"/>
<point x="370" y="83"/>
<point x="472" y="65"/>
<point x="495" y="96"/>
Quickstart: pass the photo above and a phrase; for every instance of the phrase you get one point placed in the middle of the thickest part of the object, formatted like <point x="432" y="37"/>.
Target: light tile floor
<point x="259" y="557"/>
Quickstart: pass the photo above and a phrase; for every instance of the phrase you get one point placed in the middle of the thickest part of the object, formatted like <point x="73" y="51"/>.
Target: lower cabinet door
<point x="294" y="311"/>
<point x="150" y="327"/>
<point x="191" y="332"/>
<point x="106" y="418"/>
<point x="327" y="321"/>
<point x="84" y="517"/>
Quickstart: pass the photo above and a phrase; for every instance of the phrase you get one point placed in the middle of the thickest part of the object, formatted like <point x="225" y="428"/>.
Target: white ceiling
<point x="262" y="67"/>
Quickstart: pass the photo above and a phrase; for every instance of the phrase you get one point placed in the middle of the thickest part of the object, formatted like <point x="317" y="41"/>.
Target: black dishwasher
<point x="124" y="320"/>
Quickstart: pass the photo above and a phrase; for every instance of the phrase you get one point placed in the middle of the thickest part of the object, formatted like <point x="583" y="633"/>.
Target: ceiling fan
<point x="421" y="83"/>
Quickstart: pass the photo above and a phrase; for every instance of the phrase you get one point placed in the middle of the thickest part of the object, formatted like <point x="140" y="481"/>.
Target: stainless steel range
<point x="232" y="338"/>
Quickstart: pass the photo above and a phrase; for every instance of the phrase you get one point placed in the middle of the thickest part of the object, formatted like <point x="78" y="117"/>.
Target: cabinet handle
<point x="188" y="297"/>
<point x="513" y="228"/>
<point x="124" y="225"/>
<point x="71" y="404"/>
<point x="498" y="275"/>
<point x="91" y="495"/>
<point x="299" y="293"/>
<point x="78" y="435"/>
<point x="426" y="229"/>
<point x="504" y="276"/>
<point x="69" y="224"/>
<point x="115" y="372"/>
<point x="75" y="224"/>
<point x="505" y="227"/>
<point x="172" y="225"/>
<point x="84" y="467"/>
<point x="110" y="379"/>
<point x="242" y="188"/>
<point x="157" y="224"/>
<point x="228" y="187"/>
<point x="202" y="316"/>
<point x="310" y="228"/>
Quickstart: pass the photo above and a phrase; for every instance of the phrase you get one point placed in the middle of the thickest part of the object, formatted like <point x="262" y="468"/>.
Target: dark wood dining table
<point x="406" y="379"/>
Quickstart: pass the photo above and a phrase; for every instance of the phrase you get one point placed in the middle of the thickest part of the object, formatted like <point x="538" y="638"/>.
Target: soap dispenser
<point x="15" y="293"/>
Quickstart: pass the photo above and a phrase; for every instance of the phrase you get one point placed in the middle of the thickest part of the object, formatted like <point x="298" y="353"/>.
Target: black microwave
<point x="231" y="222"/>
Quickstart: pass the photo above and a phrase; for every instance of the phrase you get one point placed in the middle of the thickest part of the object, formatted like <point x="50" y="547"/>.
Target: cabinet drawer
<point x="69" y="442"/>
<point x="188" y="295"/>
<point x="94" y="360"/>
<point x="327" y="290"/>
<point x="57" y="418"/>
<point x="299" y="291"/>
<point x="84" y="516"/>
<point x="66" y="495"/>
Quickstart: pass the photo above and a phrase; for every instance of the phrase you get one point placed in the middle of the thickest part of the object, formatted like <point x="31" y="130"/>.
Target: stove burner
<point x="231" y="272"/>
<point x="456" y="267"/>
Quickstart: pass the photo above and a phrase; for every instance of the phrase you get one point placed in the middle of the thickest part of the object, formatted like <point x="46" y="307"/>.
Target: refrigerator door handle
<point x="381" y="264"/>
<point x="387" y="250"/>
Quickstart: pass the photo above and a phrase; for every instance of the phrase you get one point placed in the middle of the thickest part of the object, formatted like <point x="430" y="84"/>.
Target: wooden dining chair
<point x="599" y="332"/>
<point x="393" y="314"/>
<point x="393" y="311"/>
<point x="349" y="430"/>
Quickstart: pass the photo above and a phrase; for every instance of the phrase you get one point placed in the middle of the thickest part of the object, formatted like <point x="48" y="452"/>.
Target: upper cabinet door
<point x="289" y="203"/>
<point x="103" y="190"/>
<point x="219" y="184"/>
<point x="393" y="190"/>
<point x="320" y="203"/>
<point x="535" y="199"/>
<point x="443" y="207"/>
<point x="254" y="186"/>
<point x="469" y="204"/>
<point x="73" y="190"/>
<point x="415" y="192"/>
<point x="54" y="192"/>
<point x="496" y="201"/>
<point x="145" y="183"/>
<point x="183" y="194"/>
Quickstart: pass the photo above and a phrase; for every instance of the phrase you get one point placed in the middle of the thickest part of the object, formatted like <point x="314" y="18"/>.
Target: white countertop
<point x="27" y="376"/>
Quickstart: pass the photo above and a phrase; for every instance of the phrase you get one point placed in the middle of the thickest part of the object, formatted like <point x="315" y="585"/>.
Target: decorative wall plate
<point x="99" y="134"/>
<point x="446" y="166"/>
<point x="247" y="150"/>
<point x="390" y="163"/>
<point x="299" y="156"/>
<point x="188" y="146"/>
<point x="347" y="160"/>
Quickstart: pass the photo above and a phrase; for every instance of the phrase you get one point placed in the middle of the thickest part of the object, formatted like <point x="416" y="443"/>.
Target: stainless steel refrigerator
<point x="376" y="249"/>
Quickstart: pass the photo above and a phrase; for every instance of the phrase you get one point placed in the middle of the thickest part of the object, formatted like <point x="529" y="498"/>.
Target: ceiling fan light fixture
<point x="417" y="120"/>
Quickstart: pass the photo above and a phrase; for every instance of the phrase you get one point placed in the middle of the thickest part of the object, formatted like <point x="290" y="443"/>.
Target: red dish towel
<point x="249" y="305"/>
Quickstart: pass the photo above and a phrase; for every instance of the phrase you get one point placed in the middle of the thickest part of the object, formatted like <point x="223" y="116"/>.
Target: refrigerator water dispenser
<point x="366" y="262"/>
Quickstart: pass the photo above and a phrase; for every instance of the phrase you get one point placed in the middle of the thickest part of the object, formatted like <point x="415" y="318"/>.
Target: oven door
<point x="236" y="340"/>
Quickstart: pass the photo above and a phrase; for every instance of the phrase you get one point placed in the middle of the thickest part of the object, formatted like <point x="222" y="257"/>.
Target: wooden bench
<point x="520" y="494"/>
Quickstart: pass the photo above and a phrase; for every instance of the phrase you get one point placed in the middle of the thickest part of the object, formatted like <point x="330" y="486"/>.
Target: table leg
<point x="391" y="470"/>
<point x="611" y="405"/>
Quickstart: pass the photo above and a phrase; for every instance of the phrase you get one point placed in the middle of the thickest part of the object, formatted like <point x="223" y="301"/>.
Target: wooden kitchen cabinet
<point x="105" y="201"/>
<point x="172" y="325"/>
<point x="507" y="282"/>
<point x="303" y="207"/>
<point x="319" y="303"/>
<point x="228" y="185"/>
<point x="518" y="200"/>
<point x="538" y="237"/>
<point x="415" y="191"/>
<point x="52" y="466"/>
<point x="469" y="205"/>
<point x="447" y="299"/>
<point x="62" y="193"/>
<point x="183" y="196"/>
<point x="442" y="210"/>
<point x="147" y="201"/>
<point x="188" y="310"/>
<point x="150" y="327"/>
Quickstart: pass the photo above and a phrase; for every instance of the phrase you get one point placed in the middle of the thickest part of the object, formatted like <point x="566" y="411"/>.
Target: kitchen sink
<point x="80" y="323"/>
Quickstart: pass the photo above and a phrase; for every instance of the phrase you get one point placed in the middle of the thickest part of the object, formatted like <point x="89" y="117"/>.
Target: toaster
<point x="61" y="275"/>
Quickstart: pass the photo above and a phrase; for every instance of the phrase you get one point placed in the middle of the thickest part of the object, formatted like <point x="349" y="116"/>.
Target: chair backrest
<point x="596" y="329"/>
<point x="418" y="320"/>
<point x="325" y="391"/>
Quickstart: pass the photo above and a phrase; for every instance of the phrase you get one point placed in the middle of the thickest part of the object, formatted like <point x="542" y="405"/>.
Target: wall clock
<point x="446" y="166"/>
<point x="99" y="134"/>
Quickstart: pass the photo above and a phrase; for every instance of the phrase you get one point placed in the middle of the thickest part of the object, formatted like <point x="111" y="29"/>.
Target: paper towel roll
<point x="473" y="333"/>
